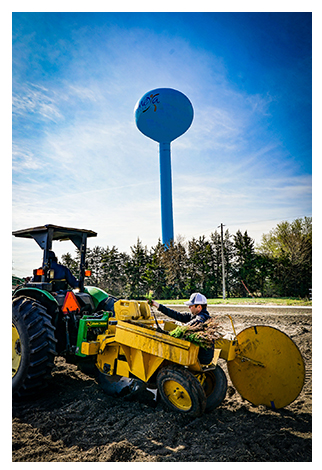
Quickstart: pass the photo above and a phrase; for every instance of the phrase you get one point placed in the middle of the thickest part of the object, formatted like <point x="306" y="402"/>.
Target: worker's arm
<point x="182" y="317"/>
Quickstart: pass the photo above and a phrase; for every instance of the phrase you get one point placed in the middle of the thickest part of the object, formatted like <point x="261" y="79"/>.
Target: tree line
<point x="281" y="266"/>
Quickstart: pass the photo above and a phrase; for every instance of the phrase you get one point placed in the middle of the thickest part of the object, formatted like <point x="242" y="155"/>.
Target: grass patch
<point x="247" y="301"/>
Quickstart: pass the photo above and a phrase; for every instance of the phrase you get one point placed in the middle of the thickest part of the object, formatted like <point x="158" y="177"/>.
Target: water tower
<point x="163" y="115"/>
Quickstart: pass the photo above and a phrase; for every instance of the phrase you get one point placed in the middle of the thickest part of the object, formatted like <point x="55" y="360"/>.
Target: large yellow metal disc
<point x="268" y="368"/>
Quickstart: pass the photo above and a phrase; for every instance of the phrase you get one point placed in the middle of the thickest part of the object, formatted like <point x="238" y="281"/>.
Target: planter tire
<point x="215" y="387"/>
<point x="181" y="391"/>
<point x="33" y="347"/>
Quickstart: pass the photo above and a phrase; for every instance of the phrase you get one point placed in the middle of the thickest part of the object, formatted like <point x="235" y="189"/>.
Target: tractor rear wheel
<point x="33" y="346"/>
<point x="215" y="387"/>
<point x="181" y="391"/>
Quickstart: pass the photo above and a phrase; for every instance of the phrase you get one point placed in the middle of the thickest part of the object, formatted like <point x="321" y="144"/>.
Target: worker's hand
<point x="155" y="304"/>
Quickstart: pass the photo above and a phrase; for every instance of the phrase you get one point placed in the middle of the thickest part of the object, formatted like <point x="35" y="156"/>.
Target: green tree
<point x="217" y="286"/>
<point x="229" y="253"/>
<point x="113" y="265"/>
<point x="215" y="240"/>
<point x="289" y="247"/>
<point x="244" y="264"/>
<point x="155" y="272"/>
<point x="264" y="274"/>
<point x="174" y="260"/>
<point x="135" y="267"/>
<point x="94" y="263"/>
<point x="201" y="267"/>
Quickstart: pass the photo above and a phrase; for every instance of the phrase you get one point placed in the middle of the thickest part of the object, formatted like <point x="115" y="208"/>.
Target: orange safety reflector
<point x="88" y="273"/>
<point x="70" y="303"/>
<point x="40" y="272"/>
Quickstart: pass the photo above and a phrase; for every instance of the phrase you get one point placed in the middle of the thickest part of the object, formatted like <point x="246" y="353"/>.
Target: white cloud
<point x="35" y="99"/>
<point x="23" y="159"/>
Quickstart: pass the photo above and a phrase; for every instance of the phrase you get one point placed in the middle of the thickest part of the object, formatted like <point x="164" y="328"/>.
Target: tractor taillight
<point x="88" y="273"/>
<point x="40" y="272"/>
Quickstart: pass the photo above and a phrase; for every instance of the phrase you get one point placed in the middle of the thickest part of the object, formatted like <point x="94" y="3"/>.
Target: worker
<point x="198" y="314"/>
<point x="61" y="272"/>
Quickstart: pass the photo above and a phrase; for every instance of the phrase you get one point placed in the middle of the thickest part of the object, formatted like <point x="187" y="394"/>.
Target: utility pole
<point x="223" y="262"/>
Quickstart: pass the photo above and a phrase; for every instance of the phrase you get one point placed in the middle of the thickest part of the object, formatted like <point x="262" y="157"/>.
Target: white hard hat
<point x="196" y="299"/>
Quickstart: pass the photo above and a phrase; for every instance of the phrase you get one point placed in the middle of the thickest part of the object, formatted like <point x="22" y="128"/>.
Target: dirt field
<point x="76" y="422"/>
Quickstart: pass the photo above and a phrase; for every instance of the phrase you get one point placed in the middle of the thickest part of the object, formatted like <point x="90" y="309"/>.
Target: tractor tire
<point x="215" y="387"/>
<point x="181" y="391"/>
<point x="33" y="347"/>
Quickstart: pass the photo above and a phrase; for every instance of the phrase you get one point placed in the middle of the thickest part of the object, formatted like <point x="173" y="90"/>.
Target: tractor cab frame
<point x="44" y="236"/>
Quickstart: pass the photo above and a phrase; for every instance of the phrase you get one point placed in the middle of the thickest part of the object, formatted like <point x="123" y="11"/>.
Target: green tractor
<point x="46" y="312"/>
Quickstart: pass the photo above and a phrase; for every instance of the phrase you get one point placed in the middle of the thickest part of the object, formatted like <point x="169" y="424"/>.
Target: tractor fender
<point x="43" y="297"/>
<point x="97" y="294"/>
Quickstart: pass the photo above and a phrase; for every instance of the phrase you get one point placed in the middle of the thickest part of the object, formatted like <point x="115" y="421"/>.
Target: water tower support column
<point x="166" y="193"/>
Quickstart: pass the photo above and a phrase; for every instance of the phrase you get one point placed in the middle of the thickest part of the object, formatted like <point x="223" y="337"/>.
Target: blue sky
<point x="79" y="160"/>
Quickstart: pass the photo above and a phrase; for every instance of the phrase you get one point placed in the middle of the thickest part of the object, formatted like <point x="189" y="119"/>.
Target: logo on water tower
<point x="149" y="101"/>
